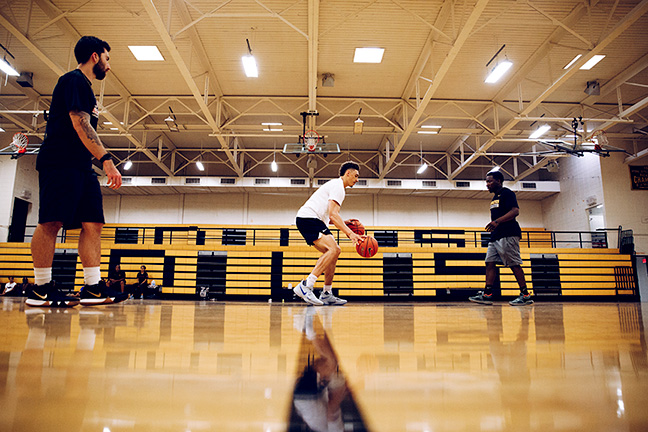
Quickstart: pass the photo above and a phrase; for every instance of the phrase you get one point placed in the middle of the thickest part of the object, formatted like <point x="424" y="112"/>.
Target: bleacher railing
<point x="289" y="236"/>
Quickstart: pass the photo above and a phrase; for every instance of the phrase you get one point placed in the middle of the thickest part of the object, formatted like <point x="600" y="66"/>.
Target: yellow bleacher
<point x="443" y="261"/>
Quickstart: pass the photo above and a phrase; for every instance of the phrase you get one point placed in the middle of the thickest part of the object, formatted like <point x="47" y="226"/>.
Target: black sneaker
<point x="48" y="296"/>
<point x="100" y="294"/>
<point x="482" y="298"/>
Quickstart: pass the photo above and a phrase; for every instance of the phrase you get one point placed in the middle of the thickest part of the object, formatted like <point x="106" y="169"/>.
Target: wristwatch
<point x="106" y="157"/>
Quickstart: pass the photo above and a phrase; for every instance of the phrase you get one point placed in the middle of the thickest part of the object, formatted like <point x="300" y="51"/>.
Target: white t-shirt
<point x="10" y="286"/>
<point x="317" y="206"/>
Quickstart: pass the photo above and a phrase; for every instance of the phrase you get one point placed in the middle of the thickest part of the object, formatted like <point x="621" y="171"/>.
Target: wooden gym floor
<point x="148" y="365"/>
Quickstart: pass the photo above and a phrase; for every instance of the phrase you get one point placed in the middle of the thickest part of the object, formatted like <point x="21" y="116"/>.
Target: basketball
<point x="368" y="247"/>
<point x="355" y="226"/>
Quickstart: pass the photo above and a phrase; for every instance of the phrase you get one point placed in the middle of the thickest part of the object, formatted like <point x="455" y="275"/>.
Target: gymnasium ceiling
<point x="432" y="73"/>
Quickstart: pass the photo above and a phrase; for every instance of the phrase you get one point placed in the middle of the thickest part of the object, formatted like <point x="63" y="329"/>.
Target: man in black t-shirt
<point x="117" y="277"/>
<point x="504" y="244"/>
<point x="69" y="192"/>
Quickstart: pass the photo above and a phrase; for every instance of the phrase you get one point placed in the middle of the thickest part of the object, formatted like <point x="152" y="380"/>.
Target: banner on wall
<point x="639" y="177"/>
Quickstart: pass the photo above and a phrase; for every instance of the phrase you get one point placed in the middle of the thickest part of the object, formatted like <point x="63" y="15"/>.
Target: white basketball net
<point x="19" y="142"/>
<point x="601" y="138"/>
<point x="311" y="139"/>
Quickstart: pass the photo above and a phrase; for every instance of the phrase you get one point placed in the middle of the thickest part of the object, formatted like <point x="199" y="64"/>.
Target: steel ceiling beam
<point x="477" y="10"/>
<point x="159" y="26"/>
<point x="632" y="16"/>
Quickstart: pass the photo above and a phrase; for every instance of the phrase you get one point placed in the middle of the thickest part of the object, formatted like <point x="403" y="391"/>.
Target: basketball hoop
<point x="19" y="142"/>
<point x="311" y="140"/>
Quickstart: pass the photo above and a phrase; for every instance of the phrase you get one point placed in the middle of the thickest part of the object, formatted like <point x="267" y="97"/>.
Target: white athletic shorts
<point x="504" y="251"/>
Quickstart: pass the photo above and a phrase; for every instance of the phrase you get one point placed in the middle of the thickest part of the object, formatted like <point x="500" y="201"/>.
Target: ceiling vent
<point x="362" y="182"/>
<point x="320" y="182"/>
<point x="228" y="181"/>
<point x="158" y="180"/>
<point x="394" y="183"/>
<point x="528" y="185"/>
<point x="261" y="181"/>
<point x="462" y="184"/>
<point x="192" y="181"/>
<point x="298" y="182"/>
<point x="429" y="183"/>
<point x="127" y="180"/>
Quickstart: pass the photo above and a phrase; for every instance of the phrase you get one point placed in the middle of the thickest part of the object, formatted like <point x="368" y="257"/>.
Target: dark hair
<point x="346" y="166"/>
<point x="143" y="267"/>
<point x="88" y="45"/>
<point x="496" y="175"/>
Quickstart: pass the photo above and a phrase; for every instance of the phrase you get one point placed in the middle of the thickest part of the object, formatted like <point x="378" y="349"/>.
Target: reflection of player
<point x="321" y="388"/>
<point x="312" y="218"/>
<point x="510" y="360"/>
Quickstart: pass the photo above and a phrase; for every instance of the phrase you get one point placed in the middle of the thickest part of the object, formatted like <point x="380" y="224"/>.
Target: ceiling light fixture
<point x="128" y="165"/>
<point x="368" y="55"/>
<point x="271" y="124"/>
<point x="424" y="165"/>
<point x="499" y="69"/>
<point x="171" y="121"/>
<point x="200" y="165"/>
<point x="1" y="130"/>
<point x="432" y="129"/>
<point x="249" y="63"/>
<point x="574" y="60"/>
<point x="540" y="131"/>
<point x="358" y="124"/>
<point x="328" y="80"/>
<point x="274" y="166"/>
<point x="5" y="66"/>
<point x="592" y="62"/>
<point x="146" y="52"/>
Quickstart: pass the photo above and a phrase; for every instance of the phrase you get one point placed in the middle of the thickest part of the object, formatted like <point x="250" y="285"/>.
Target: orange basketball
<point x="368" y="247"/>
<point x="355" y="226"/>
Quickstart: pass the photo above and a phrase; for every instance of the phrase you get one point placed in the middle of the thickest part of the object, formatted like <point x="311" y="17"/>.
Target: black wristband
<point x="105" y="157"/>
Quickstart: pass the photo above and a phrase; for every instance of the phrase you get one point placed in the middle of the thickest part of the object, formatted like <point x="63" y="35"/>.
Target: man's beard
<point x="99" y="71"/>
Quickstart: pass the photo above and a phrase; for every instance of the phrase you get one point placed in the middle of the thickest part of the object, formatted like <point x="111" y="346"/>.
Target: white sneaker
<point x="329" y="299"/>
<point x="306" y="294"/>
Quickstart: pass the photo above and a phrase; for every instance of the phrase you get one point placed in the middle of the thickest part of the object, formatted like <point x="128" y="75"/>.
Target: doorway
<point x="18" y="221"/>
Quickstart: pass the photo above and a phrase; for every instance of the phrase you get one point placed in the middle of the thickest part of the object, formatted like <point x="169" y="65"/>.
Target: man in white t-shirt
<point x="312" y="222"/>
<point x="10" y="287"/>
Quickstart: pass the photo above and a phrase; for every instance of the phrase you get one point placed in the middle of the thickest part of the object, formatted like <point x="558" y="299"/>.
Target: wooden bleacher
<point x="259" y="261"/>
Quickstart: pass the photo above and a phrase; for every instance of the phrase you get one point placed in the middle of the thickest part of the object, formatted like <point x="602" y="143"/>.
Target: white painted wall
<point x="580" y="181"/>
<point x="280" y="209"/>
<point x="624" y="206"/>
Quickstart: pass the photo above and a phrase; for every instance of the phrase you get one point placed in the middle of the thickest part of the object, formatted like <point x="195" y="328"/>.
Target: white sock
<point x="328" y="289"/>
<point x="92" y="275"/>
<point x="310" y="280"/>
<point x="42" y="275"/>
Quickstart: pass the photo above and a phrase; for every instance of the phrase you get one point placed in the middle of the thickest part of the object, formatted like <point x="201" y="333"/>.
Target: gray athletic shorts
<point x="504" y="251"/>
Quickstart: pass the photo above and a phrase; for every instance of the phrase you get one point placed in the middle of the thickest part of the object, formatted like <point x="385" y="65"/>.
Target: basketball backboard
<point x="299" y="148"/>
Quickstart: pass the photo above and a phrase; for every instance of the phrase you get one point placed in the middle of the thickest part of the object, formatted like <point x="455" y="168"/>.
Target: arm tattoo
<point x="87" y="130"/>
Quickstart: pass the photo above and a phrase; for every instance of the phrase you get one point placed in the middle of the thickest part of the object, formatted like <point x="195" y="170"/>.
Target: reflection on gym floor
<point x="149" y="365"/>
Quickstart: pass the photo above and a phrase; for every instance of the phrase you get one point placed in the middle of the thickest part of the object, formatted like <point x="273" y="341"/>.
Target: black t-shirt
<point x="62" y="147"/>
<point x="503" y="201"/>
<point x="117" y="275"/>
<point x="142" y="277"/>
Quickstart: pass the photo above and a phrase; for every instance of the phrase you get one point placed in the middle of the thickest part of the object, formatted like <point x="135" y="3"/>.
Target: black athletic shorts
<point x="69" y="196"/>
<point x="310" y="229"/>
